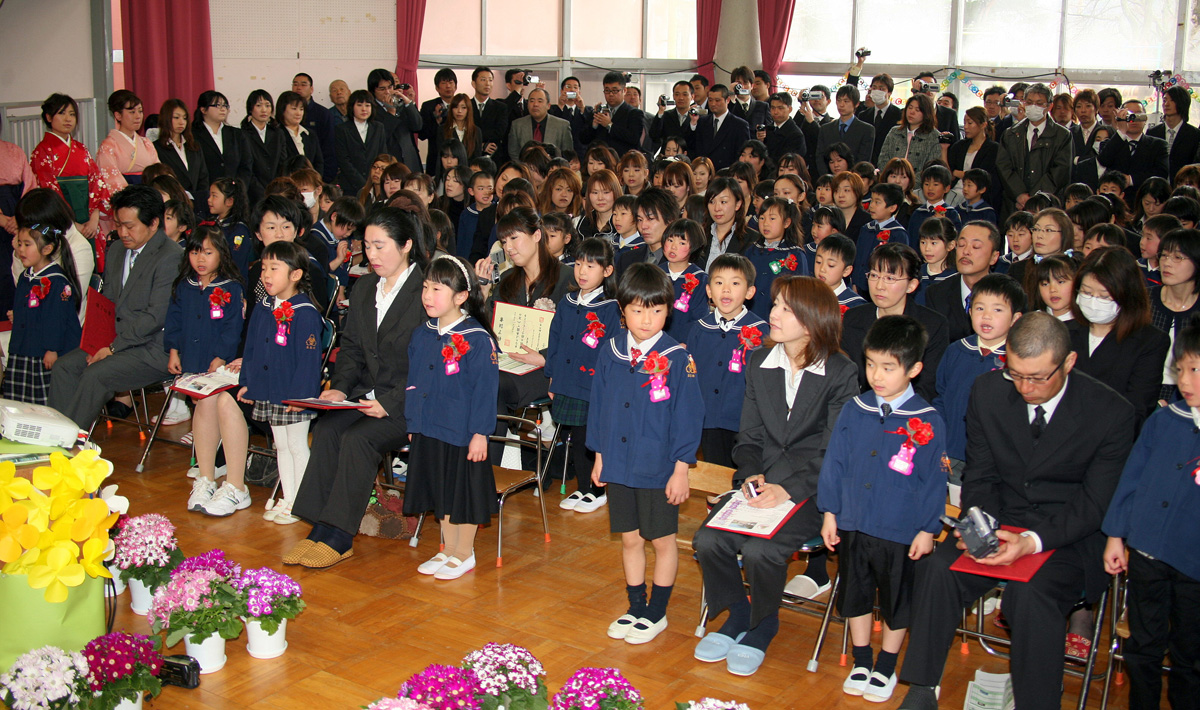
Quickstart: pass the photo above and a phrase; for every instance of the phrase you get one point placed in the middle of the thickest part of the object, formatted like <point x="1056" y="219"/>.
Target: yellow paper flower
<point x="90" y="519"/>
<point x="94" y="552"/>
<point x="12" y="486"/>
<point x="16" y="534"/>
<point x="24" y="563"/>
<point x="55" y="572"/>
<point x="38" y="506"/>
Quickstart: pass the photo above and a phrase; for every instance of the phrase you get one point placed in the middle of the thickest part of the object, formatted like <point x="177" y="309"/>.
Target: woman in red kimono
<point x="64" y="165"/>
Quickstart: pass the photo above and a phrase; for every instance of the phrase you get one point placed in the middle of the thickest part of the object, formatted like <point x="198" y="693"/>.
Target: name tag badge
<point x="281" y="335"/>
<point x="34" y="301"/>
<point x="683" y="302"/>
<point x="736" y="361"/>
<point x="216" y="313"/>
<point x="452" y="367"/>
<point x="591" y="340"/>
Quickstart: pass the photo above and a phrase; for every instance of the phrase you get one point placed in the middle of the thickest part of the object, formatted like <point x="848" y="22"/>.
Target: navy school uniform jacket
<point x="241" y="246"/>
<point x="848" y="299"/>
<point x="686" y="311"/>
<point x="859" y="487"/>
<point x="869" y="237"/>
<point x="320" y="238"/>
<point x="193" y="331"/>
<point x="1154" y="505"/>
<point x="452" y="408"/>
<point x="962" y="363"/>
<point x="272" y="372"/>
<point x="769" y="264"/>
<point x="571" y="362"/>
<point x="924" y="212"/>
<point x="53" y="324"/>
<point x="712" y="349"/>
<point x="981" y="211"/>
<point x="927" y="279"/>
<point x="641" y="440"/>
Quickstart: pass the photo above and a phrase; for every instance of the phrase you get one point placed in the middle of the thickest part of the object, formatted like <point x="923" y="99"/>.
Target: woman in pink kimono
<point x="124" y="154"/>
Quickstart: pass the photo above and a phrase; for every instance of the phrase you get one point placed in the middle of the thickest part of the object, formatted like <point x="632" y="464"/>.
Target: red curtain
<point x="774" y="25"/>
<point x="168" y="50"/>
<point x="410" y="22"/>
<point x="708" y="22"/>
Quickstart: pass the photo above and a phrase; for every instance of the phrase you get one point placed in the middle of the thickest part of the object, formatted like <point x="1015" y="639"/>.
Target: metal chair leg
<point x="416" y="537"/>
<point x="170" y="393"/>
<point x="825" y="619"/>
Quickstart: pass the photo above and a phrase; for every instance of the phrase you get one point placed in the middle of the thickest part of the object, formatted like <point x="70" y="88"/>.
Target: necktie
<point x="879" y="117"/>
<point x="726" y="324"/>
<point x="1132" y="148"/>
<point x="1170" y="138"/>
<point x="1033" y="141"/>
<point x="634" y="356"/>
<point x="1038" y="425"/>
<point x="885" y="410"/>
<point x="537" y="132"/>
<point x="133" y="255"/>
<point x="984" y="352"/>
<point x="843" y="129"/>
<point x="967" y="303"/>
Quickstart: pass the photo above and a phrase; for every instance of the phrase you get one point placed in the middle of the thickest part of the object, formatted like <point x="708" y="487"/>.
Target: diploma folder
<point x="736" y="515"/>
<point x="1020" y="571"/>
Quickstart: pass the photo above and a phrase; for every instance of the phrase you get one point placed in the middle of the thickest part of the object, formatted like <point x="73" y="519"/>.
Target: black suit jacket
<point x="810" y="130"/>
<point x="312" y="150"/>
<point x="985" y="159"/>
<point x="1150" y="159"/>
<point x="579" y="119"/>
<point x="399" y="130"/>
<point x="737" y="245"/>
<point x="725" y="146"/>
<point x="265" y="157"/>
<point x="193" y="176"/>
<point x="1083" y="168"/>
<point x="858" y="320"/>
<point x="233" y="163"/>
<point x="758" y="112"/>
<point x="945" y="298"/>
<point x="493" y="124"/>
<point x="1132" y="367"/>
<point x="624" y="135"/>
<point x="429" y="128"/>
<point x="516" y="106"/>
<point x="669" y="124"/>
<point x="1059" y="488"/>
<point x="1185" y="148"/>
<point x="355" y="156"/>
<point x="788" y="138"/>
<point x="947" y="121"/>
<point x="860" y="137"/>
<point x="891" y="117"/>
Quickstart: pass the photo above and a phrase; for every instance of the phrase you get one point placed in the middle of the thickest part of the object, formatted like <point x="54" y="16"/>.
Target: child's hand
<point x="829" y="531"/>
<point x="10" y="316"/>
<point x="477" y="449"/>
<point x="216" y="364"/>
<point x="1116" y="557"/>
<point x="174" y="366"/>
<point x="596" y="469"/>
<point x="242" y="398"/>
<point x="678" y="488"/>
<point x="921" y="545"/>
<point x="234" y="365"/>
<point x="49" y="359"/>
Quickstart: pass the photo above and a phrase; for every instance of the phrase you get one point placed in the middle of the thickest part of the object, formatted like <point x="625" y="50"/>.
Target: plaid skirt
<point x="569" y="411"/>
<point x="26" y="379"/>
<point x="277" y="414"/>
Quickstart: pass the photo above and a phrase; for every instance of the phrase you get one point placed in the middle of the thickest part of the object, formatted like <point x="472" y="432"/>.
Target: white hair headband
<point x="459" y="264"/>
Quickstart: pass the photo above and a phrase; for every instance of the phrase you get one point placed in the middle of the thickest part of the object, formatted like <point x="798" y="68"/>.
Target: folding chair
<point x="168" y="395"/>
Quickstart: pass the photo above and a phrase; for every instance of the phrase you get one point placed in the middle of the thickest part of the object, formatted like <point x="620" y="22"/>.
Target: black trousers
<point x="764" y="561"/>
<point x="347" y="447"/>
<point x="516" y="391"/>
<point x="717" y="445"/>
<point x="1164" y="617"/>
<point x="1036" y="610"/>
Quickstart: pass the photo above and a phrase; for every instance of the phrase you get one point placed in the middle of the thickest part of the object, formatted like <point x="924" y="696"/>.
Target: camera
<point x="604" y="109"/>
<point x="665" y="102"/>
<point x="741" y="90"/>
<point x="810" y="95"/>
<point x="572" y="95"/>
<point x="749" y="490"/>
<point x="928" y="87"/>
<point x="978" y="532"/>
<point x="862" y="53"/>
<point x="760" y="127"/>
<point x="532" y="79"/>
<point x="1011" y="103"/>
<point x="628" y="77"/>
<point x="180" y="670"/>
<point x="1134" y="118"/>
<point x="405" y="87"/>
<point x="697" y="111"/>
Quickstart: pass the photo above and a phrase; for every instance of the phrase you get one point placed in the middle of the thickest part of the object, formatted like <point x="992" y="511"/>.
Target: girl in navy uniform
<point x="282" y="360"/>
<point x="227" y="202"/>
<point x="583" y="323"/>
<point x="202" y="333"/>
<point x="450" y="408"/>
<point x="780" y="252"/>
<point x="682" y="239"/>
<point x="45" y="315"/>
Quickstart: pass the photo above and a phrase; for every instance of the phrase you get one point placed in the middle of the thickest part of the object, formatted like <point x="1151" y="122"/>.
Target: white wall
<point x="45" y="46"/>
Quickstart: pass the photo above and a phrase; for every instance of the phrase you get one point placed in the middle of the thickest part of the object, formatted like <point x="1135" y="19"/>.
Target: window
<point x="990" y="36"/>
<point x="520" y="27"/>
<point x="905" y="31"/>
<point x="671" y="29"/>
<point x="820" y="32"/>
<point x="1120" y="34"/>
<point x="451" y="28"/>
<point x="610" y="29"/>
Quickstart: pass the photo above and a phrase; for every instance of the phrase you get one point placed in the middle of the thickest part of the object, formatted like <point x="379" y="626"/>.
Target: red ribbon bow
<point x="207" y="223"/>
<point x="690" y="282"/>
<point x="634" y="355"/>
<point x="284" y="313"/>
<point x="41" y="289"/>
<point x="219" y="297"/>
<point x="916" y="432"/>
<point x="594" y="326"/>
<point x="884" y="236"/>
<point x="790" y="262"/>
<point x="750" y="336"/>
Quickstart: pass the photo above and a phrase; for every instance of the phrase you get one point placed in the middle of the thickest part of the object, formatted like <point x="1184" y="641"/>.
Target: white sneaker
<point x="227" y="501"/>
<point x="270" y="511"/>
<point x="459" y="568"/>
<point x="283" y="514"/>
<point x="194" y="472"/>
<point x="202" y="492"/>
<point x="589" y="503"/>
<point x="547" y="428"/>
<point x="177" y="413"/>
<point x="570" y="501"/>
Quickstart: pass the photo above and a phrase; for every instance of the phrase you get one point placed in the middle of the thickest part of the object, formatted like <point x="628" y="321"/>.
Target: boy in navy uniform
<point x="833" y="264"/>
<point x="883" y="228"/>
<point x="976" y="184"/>
<point x="644" y="424"/>
<point x="883" y="490"/>
<point x="721" y="343"/>
<point x="935" y="183"/>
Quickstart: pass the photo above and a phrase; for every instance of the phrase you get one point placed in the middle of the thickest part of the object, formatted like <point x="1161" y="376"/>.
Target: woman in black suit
<point x="178" y="150"/>
<point x="357" y="142"/>
<point x="264" y="142"/>
<point x="795" y="391"/>
<point x="226" y="159"/>
<point x="977" y="151"/>
<point x="289" y="114"/>
<point x="1116" y="342"/>
<point x="372" y="368"/>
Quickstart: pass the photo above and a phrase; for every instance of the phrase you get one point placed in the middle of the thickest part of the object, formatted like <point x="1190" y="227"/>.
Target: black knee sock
<point x="816" y="570"/>
<point x="339" y="540"/>
<point x="739" y="619"/>
<point x="760" y="636"/>
<point x="637" y="599"/>
<point x="885" y="665"/>
<point x="657" y="608"/>
<point x="319" y="533"/>
<point x="864" y="657"/>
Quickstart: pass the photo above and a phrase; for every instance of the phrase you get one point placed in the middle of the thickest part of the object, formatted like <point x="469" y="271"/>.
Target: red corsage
<point x="884" y="236"/>
<point x="207" y="223"/>
<point x="41" y="289"/>
<point x="690" y="282"/>
<point x="750" y="337"/>
<point x="284" y="313"/>
<point x="940" y="210"/>
<point x="219" y="297"/>
<point x="595" y="330"/>
<point x="790" y="262"/>
<point x="843" y="308"/>
<point x="454" y="351"/>
<point x="916" y="433"/>
<point x="657" y="367"/>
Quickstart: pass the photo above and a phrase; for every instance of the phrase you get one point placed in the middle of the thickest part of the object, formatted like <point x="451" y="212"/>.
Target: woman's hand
<point x="1116" y="557"/>
<point x="477" y="449"/>
<point x="529" y="357"/>
<point x="174" y="366"/>
<point x="332" y="395"/>
<point x="374" y="408"/>
<point x="829" y="531"/>
<point x="769" y="495"/>
<point x="49" y="359"/>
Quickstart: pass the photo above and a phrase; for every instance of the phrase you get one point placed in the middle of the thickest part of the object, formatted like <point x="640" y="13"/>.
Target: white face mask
<point x="1098" y="310"/>
<point x="1035" y="113"/>
<point x="879" y="98"/>
<point x="310" y="199"/>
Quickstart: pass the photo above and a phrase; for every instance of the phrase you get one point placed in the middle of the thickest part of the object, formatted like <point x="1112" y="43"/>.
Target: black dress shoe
<point x="118" y="410"/>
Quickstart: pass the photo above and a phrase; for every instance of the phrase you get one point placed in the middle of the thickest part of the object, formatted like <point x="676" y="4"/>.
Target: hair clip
<point x="46" y="230"/>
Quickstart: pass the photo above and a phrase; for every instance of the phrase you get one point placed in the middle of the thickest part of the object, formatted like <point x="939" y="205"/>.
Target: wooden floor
<point x="372" y="621"/>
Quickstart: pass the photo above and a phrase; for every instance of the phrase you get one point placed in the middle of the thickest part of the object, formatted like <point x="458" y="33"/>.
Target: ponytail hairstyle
<point x="194" y="241"/>
<point x="296" y="257"/>
<point x="454" y="273"/>
<point x="403" y="228"/>
<point x="48" y="218"/>
<point x="234" y="189"/>
<point x="790" y="211"/>
<point x="599" y="251"/>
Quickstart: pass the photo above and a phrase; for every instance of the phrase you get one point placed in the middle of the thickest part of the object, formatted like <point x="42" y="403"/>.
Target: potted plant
<point x="146" y="553"/>
<point x="266" y="600"/>
<point x="123" y="667"/>
<point x="597" y="688"/>
<point x="45" y="679"/>
<point x="444" y="688"/>
<point x="198" y="606"/>
<point x="510" y="677"/>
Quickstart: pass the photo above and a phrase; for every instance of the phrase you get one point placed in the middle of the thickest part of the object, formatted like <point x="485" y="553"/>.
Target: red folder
<point x="99" y="323"/>
<point x="1020" y="571"/>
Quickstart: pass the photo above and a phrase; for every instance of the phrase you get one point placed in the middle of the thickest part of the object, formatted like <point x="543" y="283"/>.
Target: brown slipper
<point x="294" y="555"/>
<point x="320" y="556"/>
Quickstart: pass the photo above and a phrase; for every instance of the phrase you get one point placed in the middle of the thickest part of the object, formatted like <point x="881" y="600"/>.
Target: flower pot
<point x="209" y="653"/>
<point x="140" y="597"/>
<point x="263" y="645"/>
<point x="118" y="583"/>
<point x="130" y="704"/>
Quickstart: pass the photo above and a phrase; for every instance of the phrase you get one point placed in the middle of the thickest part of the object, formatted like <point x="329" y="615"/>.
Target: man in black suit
<point x="947" y="119"/>
<point x="433" y="112"/>
<point x="782" y="135"/>
<point x="742" y="103"/>
<point x="491" y="116"/>
<point x="1084" y="166"/>
<point x="879" y="111"/>
<point x="673" y="120"/>
<point x="1036" y="154"/>
<point x="615" y="123"/>
<point x="699" y="84"/>
<point x="978" y="248"/>
<point x="1045" y="449"/>
<point x="813" y="113"/>
<point x="397" y="110"/>
<point x="858" y="135"/>
<point x="1183" y="139"/>
<point x="572" y="109"/>
<point x="1132" y="151"/>
<point x="720" y="135"/>
<point x="319" y="121"/>
<point x="514" y="80"/>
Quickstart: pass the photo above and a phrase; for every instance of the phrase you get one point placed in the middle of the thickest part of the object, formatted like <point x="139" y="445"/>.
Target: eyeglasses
<point x="887" y="279"/>
<point x="1026" y="379"/>
<point x="1046" y="230"/>
<point x="1172" y="258"/>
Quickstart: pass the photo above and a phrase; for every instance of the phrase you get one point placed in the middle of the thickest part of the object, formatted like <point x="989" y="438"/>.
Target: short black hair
<point x="851" y="92"/>
<point x="760" y="74"/>
<point x="841" y="246"/>
<point x="700" y="78"/>
<point x="614" y="77"/>
<point x="1187" y="243"/>
<point x="782" y="97"/>
<point x="445" y="74"/>
<point x="734" y="262"/>
<point x="479" y="70"/>
<point x="892" y="194"/>
<point x="1110" y="92"/>
<point x="979" y="176"/>
<point x="742" y="72"/>
<point x="509" y="74"/>
<point x="953" y="98"/>
<point x="646" y="285"/>
<point x="994" y="235"/>
<point x="1004" y="286"/>
<point x="724" y="90"/>
<point x="994" y="90"/>
<point x="483" y="164"/>
<point x="1160" y="224"/>
<point x="279" y="205"/>
<point x="689" y="230"/>
<point x="940" y="173"/>
<point x="1185" y="208"/>
<point x="305" y="75"/>
<point x="347" y="212"/>
<point x="680" y="83"/>
<point x="821" y="88"/>
<point x="479" y="175"/>
<point x="1077" y="191"/>
<point x="1110" y="234"/>
<point x="377" y="77"/>
<point x="1187" y="341"/>
<point x="902" y="337"/>
<point x="55" y="103"/>
<point x="896" y="258"/>
<point x="1019" y="220"/>
<point x="143" y="198"/>
<point x="1115" y="177"/>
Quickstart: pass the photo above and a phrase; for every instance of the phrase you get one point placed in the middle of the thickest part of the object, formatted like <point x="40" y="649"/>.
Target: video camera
<point x="978" y="532"/>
